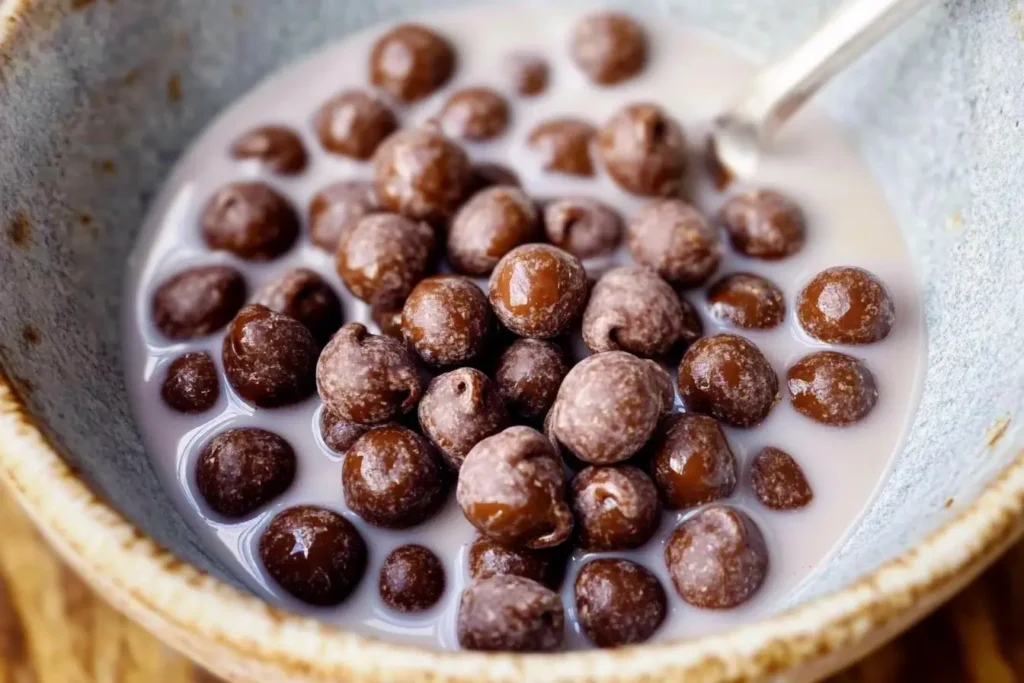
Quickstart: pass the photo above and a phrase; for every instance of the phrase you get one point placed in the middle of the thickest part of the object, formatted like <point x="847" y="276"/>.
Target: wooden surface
<point x="54" y="630"/>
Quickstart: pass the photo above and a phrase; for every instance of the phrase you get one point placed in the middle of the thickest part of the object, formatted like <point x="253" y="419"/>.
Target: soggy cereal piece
<point x="832" y="388"/>
<point x="676" y="241"/>
<point x="411" y="579"/>
<point x="489" y="558"/>
<point x="447" y="320"/>
<point x="538" y="291"/>
<point x="846" y="305"/>
<point x="511" y="614"/>
<point x="583" y="227"/>
<point x="619" y="602"/>
<point x="492" y="223"/>
<point x="251" y="220"/>
<point x="527" y="73"/>
<point x="198" y="301"/>
<point x="459" y="409"/>
<point x="616" y="508"/>
<point x="563" y="146"/>
<point x="383" y="257"/>
<point x="354" y="123"/>
<point x="763" y="224"/>
<point x="691" y="461"/>
<point x="422" y="174"/>
<point x="475" y="114"/>
<point x="279" y="148"/>
<point x="644" y="151"/>
<point x="336" y="209"/>
<point x="747" y="300"/>
<point x="302" y="294"/>
<point x="727" y="377"/>
<point x="609" y="47"/>
<point x="191" y="384"/>
<point x="411" y="61"/>
<point x="241" y="470"/>
<point x="778" y="482"/>
<point x="486" y="174"/>
<point x="528" y="375"/>
<point x="338" y="434"/>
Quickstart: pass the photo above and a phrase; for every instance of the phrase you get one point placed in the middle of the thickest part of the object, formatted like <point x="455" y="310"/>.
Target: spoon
<point x="740" y="134"/>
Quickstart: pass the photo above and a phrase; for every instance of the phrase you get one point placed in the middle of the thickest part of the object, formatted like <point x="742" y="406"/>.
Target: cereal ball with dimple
<point x="270" y="359"/>
<point x="511" y="614"/>
<point x="383" y="257"/>
<point x="512" y="489"/>
<point x="279" y="148"/>
<point x="778" y="482"/>
<point x="632" y="309"/>
<point x="676" y="241"/>
<point x="563" y="146"/>
<point x="832" y="388"/>
<point x="447" y="320"/>
<point x="616" y="508"/>
<point x="717" y="558"/>
<point x="241" y="470"/>
<point x="527" y="73"/>
<point x="191" y="384"/>
<point x="460" y="409"/>
<point x="691" y="461"/>
<point x="846" y="305"/>
<point x="644" y="151"/>
<point x="488" y="226"/>
<point x="411" y="61"/>
<point x="609" y="47"/>
<point x="609" y="405"/>
<point x="619" y="602"/>
<point x="538" y="291"/>
<point x="338" y="434"/>
<point x="336" y="209"/>
<point x="393" y="478"/>
<point x="748" y="301"/>
<point x="485" y="175"/>
<point x="251" y="220"/>
<point x="367" y="378"/>
<point x="422" y="174"/>
<point x="315" y="554"/>
<point x="198" y="301"/>
<point x="475" y="114"/>
<point x="489" y="558"/>
<point x="302" y="294"/>
<point x="354" y="123"/>
<point x="411" y="579"/>
<point x="528" y="375"/>
<point x="728" y="378"/>
<point x="763" y="224"/>
<point x="584" y="227"/>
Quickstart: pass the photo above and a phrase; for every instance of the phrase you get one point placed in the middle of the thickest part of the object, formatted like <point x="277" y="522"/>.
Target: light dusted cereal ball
<point x="354" y="123"/>
<point x="727" y="377"/>
<point x="563" y="146"/>
<point x="691" y="461"/>
<point x="411" y="61"/>
<point x="616" y="508"/>
<point x="610" y="47"/>
<point x="510" y="614"/>
<point x="832" y="388"/>
<point x="475" y="114"/>
<point x="383" y="257"/>
<point x="582" y="226"/>
<point x="459" y="410"/>
<point x="492" y="223"/>
<point x="846" y="305"/>
<point x="447" y="320"/>
<point x="763" y="224"/>
<point x="644" y="151"/>
<point x="676" y="241"/>
<point x="538" y="291"/>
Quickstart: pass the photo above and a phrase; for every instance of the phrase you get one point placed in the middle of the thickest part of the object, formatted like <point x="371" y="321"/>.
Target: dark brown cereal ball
<point x="411" y="61"/>
<point x="609" y="405"/>
<point x="717" y="558"/>
<point x="191" y="384"/>
<point x="336" y="209"/>
<point x="252" y="220"/>
<point x="411" y="579"/>
<point x="672" y="237"/>
<point x="367" y="378"/>
<point x="563" y="146"/>
<point x="446" y="320"/>
<point x="632" y="309"/>
<point x="512" y="489"/>
<point x="832" y="388"/>
<point x="511" y="614"/>
<point x="538" y="291"/>
<point x="387" y="318"/>
<point x="338" y="434"/>
<point x="528" y="375"/>
<point x="491" y="224"/>
<point x="777" y="480"/>
<point x="763" y="224"/>
<point x="748" y="301"/>
<point x="619" y="602"/>
<point x="269" y="358"/>
<point x="527" y="73"/>
<point x="198" y="301"/>
<point x="691" y="461"/>
<point x="315" y="554"/>
<point x="383" y="257"/>
<point x="846" y="305"/>
<point x="279" y="148"/>
<point x="393" y="478"/>
<point x="241" y="470"/>
<point x="354" y="123"/>
<point x="727" y="377"/>
<point x="475" y="114"/>
<point x="459" y="409"/>
<point x="609" y="47"/>
<point x="644" y="151"/>
<point x="616" y="508"/>
<point x="422" y="174"/>
<point x="693" y="327"/>
<point x="584" y="227"/>
<point x="302" y="294"/>
<point x="489" y="558"/>
<point x="485" y="174"/>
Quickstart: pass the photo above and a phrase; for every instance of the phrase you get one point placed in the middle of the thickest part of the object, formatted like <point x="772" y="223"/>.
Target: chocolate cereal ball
<point x="278" y="148"/>
<point x="489" y="558"/>
<point x="748" y="301"/>
<point x="528" y="375"/>
<point x="717" y="558"/>
<point x="619" y="602"/>
<point x="691" y="461"/>
<point x="644" y="151"/>
<point x="583" y="227"/>
<point x="459" y="409"/>
<point x="527" y="73"/>
<point x="676" y="241"/>
<point x="198" y="301"/>
<point x="609" y="405"/>
<point x="302" y="294"/>
<point x="728" y="378"/>
<point x="191" y="384"/>
<point x="538" y="291"/>
<point x="832" y="388"/>
<point x="313" y="553"/>
<point x="632" y="309"/>
<point x="336" y="209"/>
<point x="616" y="508"/>
<point x="486" y="174"/>
<point x="252" y="220"/>
<point x="338" y="434"/>
<point x="269" y="358"/>
<point x="778" y="482"/>
<point x="411" y="61"/>
<point x="446" y="320"/>
<point x="241" y="470"/>
<point x="383" y="257"/>
<point x="846" y="305"/>
<point x="511" y="614"/>
<point x="563" y="146"/>
<point x="354" y="123"/>
<point x="488" y="226"/>
<point x="393" y="478"/>
<point x="366" y="378"/>
<point x="763" y="224"/>
<point x="475" y="114"/>
<point x="388" y="319"/>
<point x="422" y="174"/>
<point x="411" y="579"/>
<point x="512" y="489"/>
<point x="609" y="47"/>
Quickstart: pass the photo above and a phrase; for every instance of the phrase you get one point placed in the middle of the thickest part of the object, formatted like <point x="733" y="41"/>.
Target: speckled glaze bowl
<point x="97" y="100"/>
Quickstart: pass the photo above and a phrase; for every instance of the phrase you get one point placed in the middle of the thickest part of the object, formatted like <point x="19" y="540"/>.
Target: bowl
<point x="98" y="99"/>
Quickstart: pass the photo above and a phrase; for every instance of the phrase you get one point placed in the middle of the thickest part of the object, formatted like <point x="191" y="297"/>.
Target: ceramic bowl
<point x="97" y="100"/>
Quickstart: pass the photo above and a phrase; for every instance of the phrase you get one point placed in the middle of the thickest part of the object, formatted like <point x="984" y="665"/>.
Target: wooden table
<point x="53" y="629"/>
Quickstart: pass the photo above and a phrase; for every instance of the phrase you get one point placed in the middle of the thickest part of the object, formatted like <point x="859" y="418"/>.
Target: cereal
<point x="251" y="220"/>
<point x="632" y="309"/>
<point x="411" y="579"/>
<point x="832" y="388"/>
<point x="411" y="61"/>
<point x="644" y="151"/>
<point x="528" y="375"/>
<point x="583" y="227"/>
<point x="778" y="482"/>
<point x="619" y="602"/>
<point x="763" y="224"/>
<point x="492" y="223"/>
<point x="383" y="257"/>
<point x="510" y="613"/>
<point x="676" y="241"/>
<point x="846" y="305"/>
<point x="727" y="377"/>
<point x="609" y="47"/>
<point x="278" y="148"/>
<point x="616" y="508"/>
<point x="748" y="301"/>
<point x="354" y="124"/>
<point x="538" y="291"/>
<point x="198" y="301"/>
<point x="302" y="294"/>
<point x="475" y="114"/>
<point x="191" y="384"/>
<point x="241" y="470"/>
<point x="691" y="461"/>
<point x="459" y="409"/>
